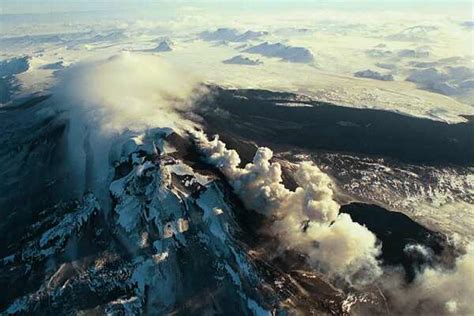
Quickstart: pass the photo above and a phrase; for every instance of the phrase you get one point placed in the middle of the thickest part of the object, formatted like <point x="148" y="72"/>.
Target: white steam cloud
<point x="438" y="291"/>
<point x="128" y="91"/>
<point x="307" y="219"/>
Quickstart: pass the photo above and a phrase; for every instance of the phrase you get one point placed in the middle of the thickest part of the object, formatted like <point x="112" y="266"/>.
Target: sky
<point x="52" y="6"/>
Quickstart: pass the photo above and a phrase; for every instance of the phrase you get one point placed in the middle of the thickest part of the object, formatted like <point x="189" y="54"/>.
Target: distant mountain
<point x="54" y="66"/>
<point x="29" y="40"/>
<point x="413" y="53"/>
<point x="164" y="46"/>
<point x="114" y="36"/>
<point x="286" y="53"/>
<point x="378" y="53"/>
<point x="242" y="60"/>
<point x="8" y="82"/>
<point x="427" y="76"/>
<point x="14" y="66"/>
<point x="373" y="75"/>
<point x="386" y="66"/>
<point x="447" y="81"/>
<point x="249" y="35"/>
<point x="414" y="33"/>
<point x="230" y="35"/>
<point x="468" y="24"/>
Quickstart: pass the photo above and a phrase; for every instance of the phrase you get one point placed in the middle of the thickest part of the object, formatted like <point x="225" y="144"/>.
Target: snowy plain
<point x="314" y="52"/>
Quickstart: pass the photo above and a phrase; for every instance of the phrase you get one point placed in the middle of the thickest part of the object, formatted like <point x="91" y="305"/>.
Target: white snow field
<point x="312" y="50"/>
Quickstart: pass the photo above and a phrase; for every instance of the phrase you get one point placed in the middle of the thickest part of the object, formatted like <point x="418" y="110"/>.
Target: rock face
<point x="286" y="53"/>
<point x="242" y="60"/>
<point x="373" y="75"/>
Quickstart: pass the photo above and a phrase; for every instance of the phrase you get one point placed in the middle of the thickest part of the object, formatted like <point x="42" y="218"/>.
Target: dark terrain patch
<point x="396" y="231"/>
<point x="255" y="115"/>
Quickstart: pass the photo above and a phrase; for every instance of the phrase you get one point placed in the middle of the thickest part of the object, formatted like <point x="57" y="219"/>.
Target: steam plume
<point x="307" y="219"/>
<point x="437" y="291"/>
<point x="127" y="91"/>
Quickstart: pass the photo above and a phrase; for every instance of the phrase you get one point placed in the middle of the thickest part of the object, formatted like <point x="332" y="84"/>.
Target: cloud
<point x="127" y="91"/>
<point x="437" y="291"/>
<point x="453" y="287"/>
<point x="306" y="219"/>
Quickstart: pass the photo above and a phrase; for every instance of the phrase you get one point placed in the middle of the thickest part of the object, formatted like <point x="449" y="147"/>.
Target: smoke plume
<point x="307" y="219"/>
<point x="436" y="290"/>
